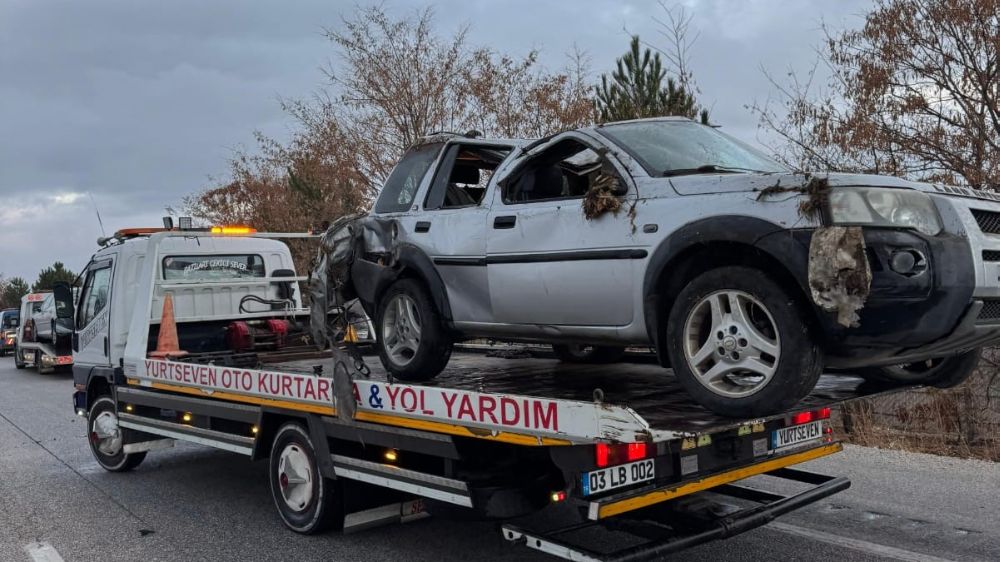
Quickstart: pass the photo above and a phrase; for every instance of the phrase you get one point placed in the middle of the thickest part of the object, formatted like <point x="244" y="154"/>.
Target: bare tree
<point x="393" y="81"/>
<point x="914" y="92"/>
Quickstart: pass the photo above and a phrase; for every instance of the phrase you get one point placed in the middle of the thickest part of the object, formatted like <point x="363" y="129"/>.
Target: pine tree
<point x="11" y="291"/>
<point x="49" y="276"/>
<point x="636" y="90"/>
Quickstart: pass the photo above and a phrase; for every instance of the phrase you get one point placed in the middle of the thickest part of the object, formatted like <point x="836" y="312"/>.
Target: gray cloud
<point x="140" y="104"/>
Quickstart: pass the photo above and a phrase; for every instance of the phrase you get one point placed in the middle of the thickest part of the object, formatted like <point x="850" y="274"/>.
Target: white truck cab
<point x="212" y="280"/>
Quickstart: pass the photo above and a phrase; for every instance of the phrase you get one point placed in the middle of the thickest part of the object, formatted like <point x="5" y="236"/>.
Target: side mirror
<point x="62" y="294"/>
<point x="285" y="291"/>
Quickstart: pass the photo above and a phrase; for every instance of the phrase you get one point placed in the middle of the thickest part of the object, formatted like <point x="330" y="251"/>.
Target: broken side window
<point x="567" y="170"/>
<point x="401" y="188"/>
<point x="464" y="174"/>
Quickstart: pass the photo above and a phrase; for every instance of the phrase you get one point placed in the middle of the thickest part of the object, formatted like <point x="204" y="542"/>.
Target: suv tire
<point x="412" y="342"/>
<point x="739" y="343"/>
<point x="942" y="372"/>
<point x="579" y="353"/>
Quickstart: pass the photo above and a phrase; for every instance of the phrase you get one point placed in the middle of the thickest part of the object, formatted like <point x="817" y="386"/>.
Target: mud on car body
<point x="747" y="278"/>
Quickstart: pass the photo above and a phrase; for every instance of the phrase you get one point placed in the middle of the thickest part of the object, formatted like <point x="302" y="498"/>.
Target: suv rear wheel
<point x="739" y="343"/>
<point x="942" y="372"/>
<point x="579" y="353"/>
<point x="412" y="342"/>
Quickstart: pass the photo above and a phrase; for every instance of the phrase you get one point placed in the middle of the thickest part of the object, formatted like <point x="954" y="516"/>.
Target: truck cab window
<point x="209" y="267"/>
<point x="401" y="188"/>
<point x="94" y="298"/>
<point x="463" y="176"/>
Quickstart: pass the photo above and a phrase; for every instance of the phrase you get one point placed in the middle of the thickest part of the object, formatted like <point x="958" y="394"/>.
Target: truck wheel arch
<point x="706" y="243"/>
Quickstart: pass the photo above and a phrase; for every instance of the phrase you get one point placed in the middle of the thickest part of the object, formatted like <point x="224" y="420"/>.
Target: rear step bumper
<point x="662" y="539"/>
<point x="633" y="500"/>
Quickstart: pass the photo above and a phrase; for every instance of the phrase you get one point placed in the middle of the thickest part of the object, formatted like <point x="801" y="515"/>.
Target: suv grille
<point x="991" y="255"/>
<point x="989" y="221"/>
<point x="990" y="312"/>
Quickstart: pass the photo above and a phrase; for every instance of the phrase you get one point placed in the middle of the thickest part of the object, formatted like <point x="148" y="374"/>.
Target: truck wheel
<point x="107" y="438"/>
<point x="412" y="342"/>
<point x="942" y="372"/>
<point x="18" y="360"/>
<point x="739" y="345"/>
<point x="577" y="353"/>
<point x="307" y="501"/>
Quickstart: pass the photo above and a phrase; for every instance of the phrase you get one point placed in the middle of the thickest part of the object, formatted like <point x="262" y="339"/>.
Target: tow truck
<point x="569" y="458"/>
<point x="49" y="350"/>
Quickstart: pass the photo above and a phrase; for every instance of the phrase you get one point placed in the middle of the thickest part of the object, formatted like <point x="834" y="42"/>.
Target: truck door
<point x="93" y="315"/>
<point x="548" y="263"/>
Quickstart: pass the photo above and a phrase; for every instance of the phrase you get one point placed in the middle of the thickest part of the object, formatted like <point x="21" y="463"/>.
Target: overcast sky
<point x="131" y="105"/>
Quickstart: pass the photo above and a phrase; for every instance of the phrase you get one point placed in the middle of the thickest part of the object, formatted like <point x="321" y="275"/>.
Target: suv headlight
<point x="878" y="206"/>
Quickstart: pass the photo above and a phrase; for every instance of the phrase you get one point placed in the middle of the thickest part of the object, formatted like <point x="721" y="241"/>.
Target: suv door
<point x="93" y="314"/>
<point x="547" y="263"/>
<point x="453" y="225"/>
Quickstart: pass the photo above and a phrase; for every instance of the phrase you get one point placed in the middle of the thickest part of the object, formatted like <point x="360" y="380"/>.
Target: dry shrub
<point x="962" y="421"/>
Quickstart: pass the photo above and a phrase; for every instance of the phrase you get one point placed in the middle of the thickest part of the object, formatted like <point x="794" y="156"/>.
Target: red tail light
<point x="608" y="455"/>
<point x="636" y="451"/>
<point x="806" y="417"/>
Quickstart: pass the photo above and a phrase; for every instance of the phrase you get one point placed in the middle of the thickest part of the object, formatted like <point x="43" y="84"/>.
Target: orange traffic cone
<point x="167" y="345"/>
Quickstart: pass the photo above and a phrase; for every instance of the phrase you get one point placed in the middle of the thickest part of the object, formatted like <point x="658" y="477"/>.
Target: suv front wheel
<point x="412" y="342"/>
<point x="740" y="345"/>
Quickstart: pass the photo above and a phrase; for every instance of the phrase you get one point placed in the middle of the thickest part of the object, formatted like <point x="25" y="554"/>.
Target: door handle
<point x="423" y="226"/>
<point x="507" y="221"/>
<point x="106" y="350"/>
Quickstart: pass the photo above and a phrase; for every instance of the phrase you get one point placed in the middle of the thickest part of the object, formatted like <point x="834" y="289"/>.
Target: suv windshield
<point x="675" y="147"/>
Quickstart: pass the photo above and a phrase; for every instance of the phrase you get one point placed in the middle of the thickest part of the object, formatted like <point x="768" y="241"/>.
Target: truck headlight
<point x="878" y="206"/>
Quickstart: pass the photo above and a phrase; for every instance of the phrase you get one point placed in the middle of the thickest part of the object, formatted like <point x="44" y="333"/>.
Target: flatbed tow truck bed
<point x="693" y="457"/>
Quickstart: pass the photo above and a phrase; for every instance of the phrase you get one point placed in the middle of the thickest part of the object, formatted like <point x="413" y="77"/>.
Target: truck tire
<point x="107" y="438"/>
<point x="412" y="342"/>
<point x="578" y="353"/>
<point x="942" y="372"/>
<point x="739" y="345"/>
<point x="18" y="360"/>
<point x="307" y="502"/>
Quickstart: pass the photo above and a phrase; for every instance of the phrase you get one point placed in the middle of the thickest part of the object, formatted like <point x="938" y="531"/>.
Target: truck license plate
<point x="619" y="476"/>
<point x="796" y="434"/>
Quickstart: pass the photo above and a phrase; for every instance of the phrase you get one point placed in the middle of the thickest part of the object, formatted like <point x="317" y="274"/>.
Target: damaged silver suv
<point x="748" y="280"/>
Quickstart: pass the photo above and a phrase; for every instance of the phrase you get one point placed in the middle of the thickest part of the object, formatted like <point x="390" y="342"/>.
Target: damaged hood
<point x="736" y="182"/>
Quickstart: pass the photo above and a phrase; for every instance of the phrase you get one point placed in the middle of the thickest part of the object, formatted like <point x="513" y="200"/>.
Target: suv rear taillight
<point x="608" y="455"/>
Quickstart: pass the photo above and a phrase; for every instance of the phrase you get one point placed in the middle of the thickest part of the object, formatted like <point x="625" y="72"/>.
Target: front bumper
<point x="910" y="316"/>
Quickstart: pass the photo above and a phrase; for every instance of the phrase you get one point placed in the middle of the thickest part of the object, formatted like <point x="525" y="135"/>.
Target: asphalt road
<point x="192" y="503"/>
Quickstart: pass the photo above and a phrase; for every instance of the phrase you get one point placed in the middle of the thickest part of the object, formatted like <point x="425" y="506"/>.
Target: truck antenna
<point x="96" y="210"/>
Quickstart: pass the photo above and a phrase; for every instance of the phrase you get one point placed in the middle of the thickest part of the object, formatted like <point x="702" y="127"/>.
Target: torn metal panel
<point x="331" y="273"/>
<point x="839" y="274"/>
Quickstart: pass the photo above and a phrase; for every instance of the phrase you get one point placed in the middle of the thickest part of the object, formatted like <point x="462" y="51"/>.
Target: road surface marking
<point x="42" y="552"/>
<point x="855" y="544"/>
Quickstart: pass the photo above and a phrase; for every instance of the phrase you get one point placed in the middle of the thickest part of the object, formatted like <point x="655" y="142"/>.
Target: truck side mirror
<point x="62" y="294"/>
<point x="285" y="291"/>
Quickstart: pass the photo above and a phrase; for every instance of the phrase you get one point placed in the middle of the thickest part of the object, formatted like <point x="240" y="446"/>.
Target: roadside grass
<point x="961" y="422"/>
